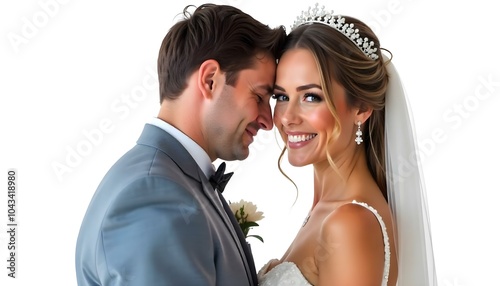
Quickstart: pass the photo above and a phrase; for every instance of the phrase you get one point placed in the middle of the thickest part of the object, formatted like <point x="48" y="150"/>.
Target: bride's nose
<point x="287" y="114"/>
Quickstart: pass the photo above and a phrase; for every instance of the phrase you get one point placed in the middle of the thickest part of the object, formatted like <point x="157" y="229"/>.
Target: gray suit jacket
<point x="156" y="220"/>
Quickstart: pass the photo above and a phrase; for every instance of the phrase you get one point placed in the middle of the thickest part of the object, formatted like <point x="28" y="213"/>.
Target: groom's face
<point x="241" y="110"/>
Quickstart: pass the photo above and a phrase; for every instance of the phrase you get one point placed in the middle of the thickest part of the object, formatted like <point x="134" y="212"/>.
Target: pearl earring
<point x="358" y="134"/>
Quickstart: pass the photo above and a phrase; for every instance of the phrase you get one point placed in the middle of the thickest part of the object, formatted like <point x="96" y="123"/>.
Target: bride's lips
<point x="298" y="140"/>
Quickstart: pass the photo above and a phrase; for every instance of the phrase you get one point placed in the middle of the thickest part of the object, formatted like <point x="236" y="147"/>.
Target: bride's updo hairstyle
<point x="364" y="79"/>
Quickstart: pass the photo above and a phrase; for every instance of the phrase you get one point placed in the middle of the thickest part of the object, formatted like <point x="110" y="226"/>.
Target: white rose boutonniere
<point x="247" y="216"/>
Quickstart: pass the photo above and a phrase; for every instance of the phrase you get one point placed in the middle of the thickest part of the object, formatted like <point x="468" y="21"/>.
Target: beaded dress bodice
<point x="287" y="273"/>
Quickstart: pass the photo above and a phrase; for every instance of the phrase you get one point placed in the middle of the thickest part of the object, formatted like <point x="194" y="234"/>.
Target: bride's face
<point x="301" y="113"/>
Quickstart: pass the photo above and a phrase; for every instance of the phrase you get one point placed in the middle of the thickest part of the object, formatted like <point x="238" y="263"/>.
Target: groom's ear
<point x="209" y="77"/>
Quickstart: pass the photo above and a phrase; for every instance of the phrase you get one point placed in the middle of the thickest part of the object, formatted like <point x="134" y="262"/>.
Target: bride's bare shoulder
<point x="352" y="247"/>
<point x="349" y="221"/>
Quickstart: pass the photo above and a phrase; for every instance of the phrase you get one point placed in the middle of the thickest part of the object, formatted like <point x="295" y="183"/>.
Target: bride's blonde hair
<point x="365" y="82"/>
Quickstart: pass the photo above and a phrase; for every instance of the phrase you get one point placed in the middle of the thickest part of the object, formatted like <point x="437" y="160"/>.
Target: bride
<point x="340" y="106"/>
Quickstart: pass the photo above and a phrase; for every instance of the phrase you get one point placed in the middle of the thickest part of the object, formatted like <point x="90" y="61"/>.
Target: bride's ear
<point x="363" y="113"/>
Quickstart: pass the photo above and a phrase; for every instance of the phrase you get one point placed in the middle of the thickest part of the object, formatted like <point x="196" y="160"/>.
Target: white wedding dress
<point x="287" y="273"/>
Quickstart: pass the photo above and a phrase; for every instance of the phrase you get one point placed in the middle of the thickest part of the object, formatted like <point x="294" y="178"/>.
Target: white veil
<point x="405" y="189"/>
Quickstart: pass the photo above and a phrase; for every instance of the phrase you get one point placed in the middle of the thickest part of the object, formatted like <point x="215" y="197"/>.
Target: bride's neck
<point x="341" y="182"/>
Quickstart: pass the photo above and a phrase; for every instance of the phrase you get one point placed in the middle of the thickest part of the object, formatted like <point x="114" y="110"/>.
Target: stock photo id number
<point x="12" y="247"/>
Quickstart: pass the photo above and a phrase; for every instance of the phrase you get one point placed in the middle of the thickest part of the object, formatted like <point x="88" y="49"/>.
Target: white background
<point x="68" y="68"/>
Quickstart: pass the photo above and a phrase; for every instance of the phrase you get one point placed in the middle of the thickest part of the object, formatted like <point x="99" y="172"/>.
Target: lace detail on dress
<point x="284" y="274"/>
<point x="287" y="273"/>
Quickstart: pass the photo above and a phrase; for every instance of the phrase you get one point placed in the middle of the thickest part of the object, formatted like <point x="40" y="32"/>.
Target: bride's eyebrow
<point x="308" y="86"/>
<point x="279" y="88"/>
<point x="300" y="88"/>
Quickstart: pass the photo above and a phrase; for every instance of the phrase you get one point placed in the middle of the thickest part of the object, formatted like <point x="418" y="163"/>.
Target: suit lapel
<point x="241" y="237"/>
<point x="156" y="137"/>
<point x="219" y="203"/>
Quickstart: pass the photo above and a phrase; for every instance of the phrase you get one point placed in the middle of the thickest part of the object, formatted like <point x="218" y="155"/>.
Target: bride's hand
<point x="268" y="266"/>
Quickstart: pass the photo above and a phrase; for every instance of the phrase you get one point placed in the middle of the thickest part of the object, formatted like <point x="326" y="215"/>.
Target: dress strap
<point x="387" y="248"/>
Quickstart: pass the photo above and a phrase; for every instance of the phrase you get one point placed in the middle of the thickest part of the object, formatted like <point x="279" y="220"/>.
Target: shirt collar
<point x="199" y="155"/>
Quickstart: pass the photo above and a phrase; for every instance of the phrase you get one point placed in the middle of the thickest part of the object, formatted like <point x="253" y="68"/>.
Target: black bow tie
<point x="219" y="179"/>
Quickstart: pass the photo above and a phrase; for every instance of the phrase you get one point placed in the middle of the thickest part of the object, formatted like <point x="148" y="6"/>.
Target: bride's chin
<point x="296" y="162"/>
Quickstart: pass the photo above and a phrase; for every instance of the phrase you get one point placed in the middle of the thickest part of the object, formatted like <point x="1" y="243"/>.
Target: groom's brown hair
<point x="220" y="32"/>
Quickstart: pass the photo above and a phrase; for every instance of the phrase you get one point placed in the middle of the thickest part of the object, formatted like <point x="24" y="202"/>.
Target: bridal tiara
<point x="315" y="15"/>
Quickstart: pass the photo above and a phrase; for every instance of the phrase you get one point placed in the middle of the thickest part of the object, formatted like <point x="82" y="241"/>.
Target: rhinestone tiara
<point x="315" y="15"/>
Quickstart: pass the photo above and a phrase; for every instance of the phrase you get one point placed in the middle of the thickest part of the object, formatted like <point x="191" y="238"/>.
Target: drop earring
<point x="358" y="134"/>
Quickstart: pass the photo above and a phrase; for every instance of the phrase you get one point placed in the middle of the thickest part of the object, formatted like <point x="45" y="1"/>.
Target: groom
<point x="155" y="218"/>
